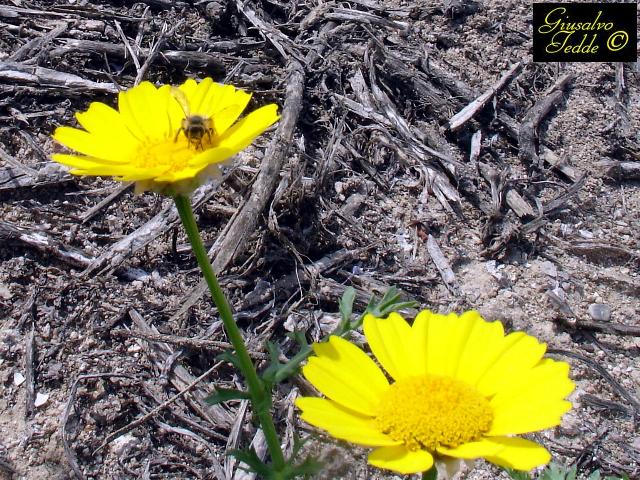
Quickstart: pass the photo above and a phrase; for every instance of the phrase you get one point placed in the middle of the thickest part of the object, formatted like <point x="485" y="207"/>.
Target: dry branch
<point x="527" y="132"/>
<point x="29" y="367"/>
<point x="13" y="178"/>
<point x="43" y="242"/>
<point x="350" y="15"/>
<point x="443" y="266"/>
<point x="20" y="74"/>
<point x="621" y="170"/>
<point x="280" y="41"/>
<point x="467" y="113"/>
<point x="36" y="44"/>
<point x="181" y="58"/>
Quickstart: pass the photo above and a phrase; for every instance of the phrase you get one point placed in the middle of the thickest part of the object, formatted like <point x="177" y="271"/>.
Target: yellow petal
<point x="345" y="374"/>
<point x="401" y="460"/>
<point x="138" y="174"/>
<point x="547" y="380"/>
<point x="388" y="339"/>
<point x="189" y="87"/>
<point x="217" y="96"/>
<point x="533" y="401"/>
<point x="431" y="341"/>
<point x="246" y="130"/>
<point x="104" y="121"/>
<point x="81" y="161"/>
<point x="200" y="92"/>
<point x="93" y="146"/>
<point x="82" y="165"/>
<point x="522" y="354"/>
<point x="122" y="175"/>
<point x="485" y="345"/>
<point x="224" y="104"/>
<point x="159" y="124"/>
<point x="460" y="328"/>
<point x="212" y="155"/>
<point x="224" y="118"/>
<point x="341" y="422"/>
<point x="132" y="105"/>
<point x="510" y="452"/>
<point x="528" y="417"/>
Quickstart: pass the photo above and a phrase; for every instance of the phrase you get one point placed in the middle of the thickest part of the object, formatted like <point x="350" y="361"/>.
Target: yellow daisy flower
<point x="167" y="139"/>
<point x="460" y="388"/>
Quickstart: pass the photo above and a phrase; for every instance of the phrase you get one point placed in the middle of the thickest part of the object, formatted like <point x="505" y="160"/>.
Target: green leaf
<point x="229" y="357"/>
<point x="221" y="395"/>
<point x="291" y="367"/>
<point x="596" y="476"/>
<point x="390" y="302"/>
<point x="274" y="352"/>
<point x="346" y="305"/>
<point x="309" y="466"/>
<point x="431" y="474"/>
<point x="253" y="462"/>
<point x="277" y="371"/>
<point x="558" y="472"/>
<point x="517" y="475"/>
<point x="299" y="338"/>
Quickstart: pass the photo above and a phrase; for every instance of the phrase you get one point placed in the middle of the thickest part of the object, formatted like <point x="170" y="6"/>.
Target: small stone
<point x="18" y="379"/>
<point x="41" y="399"/>
<point x="566" y="230"/>
<point x="600" y="311"/>
<point x="46" y="331"/>
<point x="215" y="10"/>
<point x="124" y="443"/>
<point x="5" y="293"/>
<point x="549" y="268"/>
<point x="357" y="270"/>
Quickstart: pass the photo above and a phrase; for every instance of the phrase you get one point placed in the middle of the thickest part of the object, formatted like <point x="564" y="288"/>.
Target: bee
<point x="194" y="127"/>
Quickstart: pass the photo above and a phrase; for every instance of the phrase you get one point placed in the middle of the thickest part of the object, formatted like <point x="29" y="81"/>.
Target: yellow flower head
<point x="167" y="139"/>
<point x="460" y="388"/>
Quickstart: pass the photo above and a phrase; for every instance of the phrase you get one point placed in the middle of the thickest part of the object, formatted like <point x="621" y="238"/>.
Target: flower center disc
<point x="431" y="411"/>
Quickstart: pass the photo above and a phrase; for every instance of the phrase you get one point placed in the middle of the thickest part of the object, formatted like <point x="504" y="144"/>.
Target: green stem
<point x="260" y="397"/>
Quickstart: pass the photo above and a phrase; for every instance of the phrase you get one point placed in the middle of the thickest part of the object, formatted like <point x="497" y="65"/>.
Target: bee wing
<point x="225" y="118"/>
<point x="181" y="98"/>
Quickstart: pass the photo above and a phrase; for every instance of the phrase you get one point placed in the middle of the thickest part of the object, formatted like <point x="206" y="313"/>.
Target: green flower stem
<point x="260" y="397"/>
